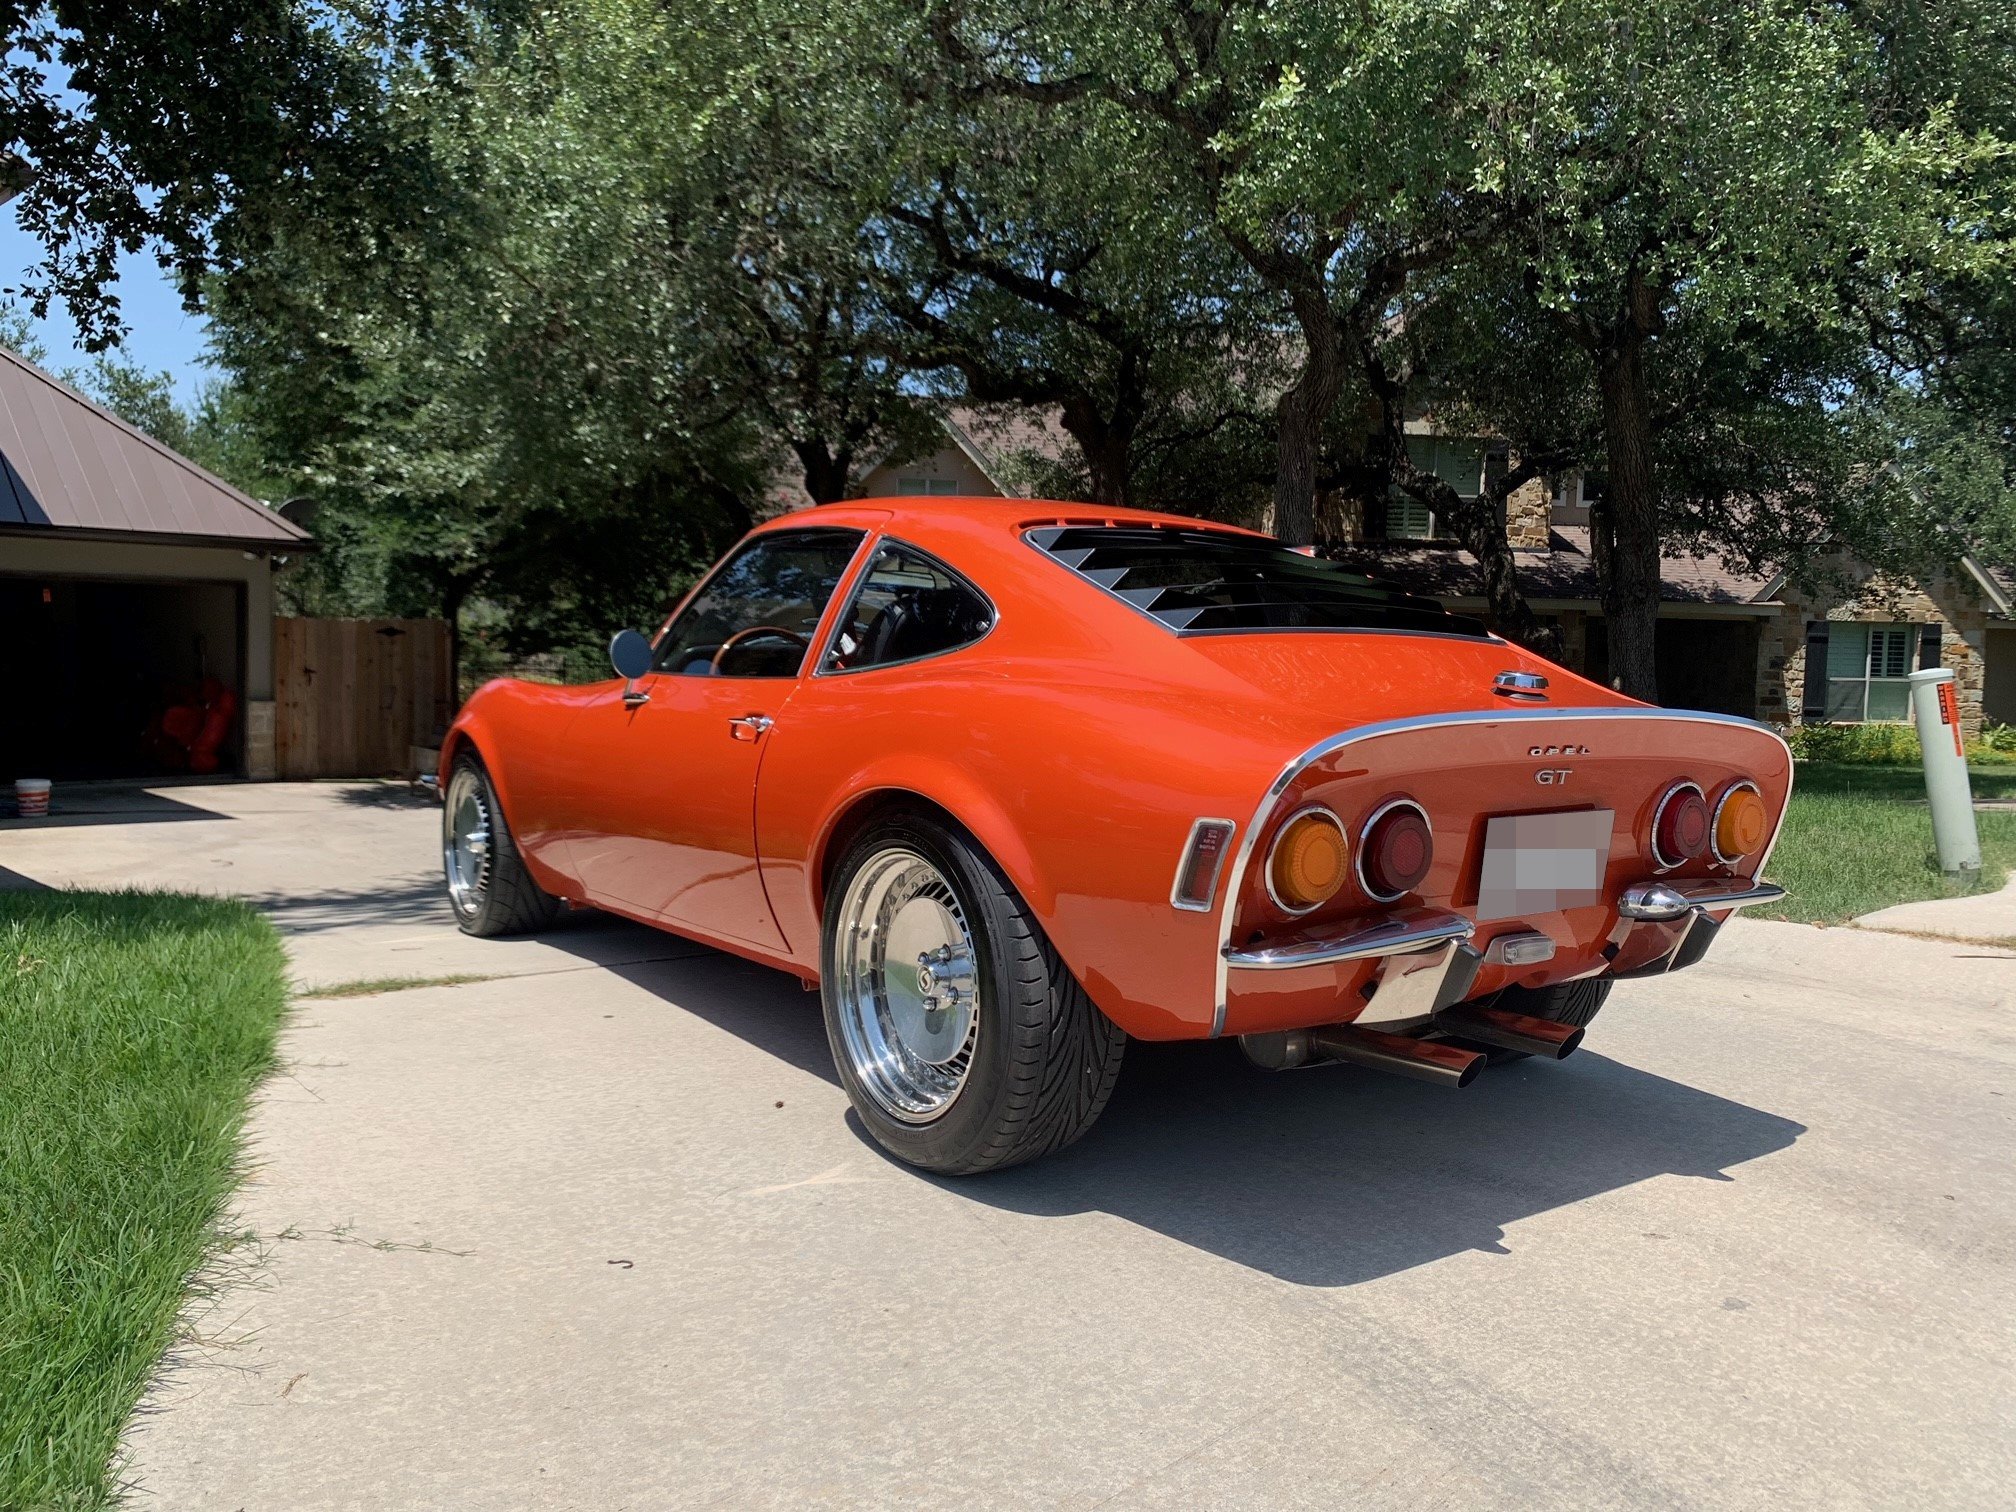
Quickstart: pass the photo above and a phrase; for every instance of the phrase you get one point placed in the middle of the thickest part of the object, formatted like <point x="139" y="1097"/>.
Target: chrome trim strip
<point x="1659" y="812"/>
<point x="1712" y="895"/>
<point x="1715" y="819"/>
<point x="1267" y="872"/>
<point x="1331" y="744"/>
<point x="1176" y="899"/>
<point x="1365" y="834"/>
<point x="1402" y="933"/>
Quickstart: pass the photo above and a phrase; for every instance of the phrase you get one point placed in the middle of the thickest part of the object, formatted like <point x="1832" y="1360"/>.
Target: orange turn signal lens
<point x="1740" y="822"/>
<point x="1308" y="862"/>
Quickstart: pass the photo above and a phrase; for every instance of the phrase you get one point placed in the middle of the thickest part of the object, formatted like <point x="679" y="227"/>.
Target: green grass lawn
<point x="1859" y="838"/>
<point x="132" y="1028"/>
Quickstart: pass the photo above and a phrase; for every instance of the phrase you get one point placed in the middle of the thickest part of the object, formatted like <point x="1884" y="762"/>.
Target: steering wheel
<point x="714" y="666"/>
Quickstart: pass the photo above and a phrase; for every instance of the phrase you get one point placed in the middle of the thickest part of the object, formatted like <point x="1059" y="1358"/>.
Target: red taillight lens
<point x="1680" y="825"/>
<point x="1397" y="852"/>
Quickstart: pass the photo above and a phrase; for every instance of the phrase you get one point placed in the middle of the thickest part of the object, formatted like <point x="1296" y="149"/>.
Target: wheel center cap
<point x="929" y="982"/>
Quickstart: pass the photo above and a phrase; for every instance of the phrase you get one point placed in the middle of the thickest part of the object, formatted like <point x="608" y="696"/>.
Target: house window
<point x="1408" y="519"/>
<point x="927" y="486"/>
<point x="1458" y="463"/>
<point x="1866" y="670"/>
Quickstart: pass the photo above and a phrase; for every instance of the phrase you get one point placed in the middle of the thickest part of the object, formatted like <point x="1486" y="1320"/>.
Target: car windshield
<point x="1197" y="581"/>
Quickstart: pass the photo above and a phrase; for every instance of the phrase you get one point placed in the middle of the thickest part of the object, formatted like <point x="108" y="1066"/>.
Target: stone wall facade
<point x="1951" y="601"/>
<point x="1527" y="513"/>
<point x="260" y="759"/>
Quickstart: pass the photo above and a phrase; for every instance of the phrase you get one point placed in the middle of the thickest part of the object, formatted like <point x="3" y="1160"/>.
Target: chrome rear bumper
<point x="1674" y="900"/>
<point x="1399" y="933"/>
<point x="1429" y="964"/>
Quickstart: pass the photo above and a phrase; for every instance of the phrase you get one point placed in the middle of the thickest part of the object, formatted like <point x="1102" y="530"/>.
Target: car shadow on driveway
<point x="1322" y="1177"/>
<point x="1334" y="1175"/>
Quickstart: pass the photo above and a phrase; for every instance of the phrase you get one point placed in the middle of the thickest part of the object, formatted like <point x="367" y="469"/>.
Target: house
<point x="132" y="582"/>
<point x="1728" y="641"/>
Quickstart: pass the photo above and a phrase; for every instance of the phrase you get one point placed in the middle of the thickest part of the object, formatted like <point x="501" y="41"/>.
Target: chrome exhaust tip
<point x="1423" y="1060"/>
<point x="1510" y="1031"/>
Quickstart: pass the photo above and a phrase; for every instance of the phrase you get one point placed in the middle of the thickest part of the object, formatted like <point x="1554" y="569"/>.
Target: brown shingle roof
<point x="66" y="464"/>
<point x="1564" y="571"/>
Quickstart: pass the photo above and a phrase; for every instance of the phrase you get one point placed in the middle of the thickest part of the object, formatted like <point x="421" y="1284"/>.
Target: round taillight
<point x="1740" y="822"/>
<point x="1680" y="825"/>
<point x="1397" y="850"/>
<point x="1306" y="865"/>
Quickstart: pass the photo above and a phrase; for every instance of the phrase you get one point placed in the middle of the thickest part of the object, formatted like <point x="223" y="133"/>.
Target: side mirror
<point x="629" y="654"/>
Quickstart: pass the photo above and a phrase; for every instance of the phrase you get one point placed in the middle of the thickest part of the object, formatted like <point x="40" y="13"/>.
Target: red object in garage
<point x="187" y="736"/>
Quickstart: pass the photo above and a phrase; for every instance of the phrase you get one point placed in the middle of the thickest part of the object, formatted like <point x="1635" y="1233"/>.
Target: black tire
<point x="1042" y="1058"/>
<point x="501" y="898"/>
<point x="1565" y="1002"/>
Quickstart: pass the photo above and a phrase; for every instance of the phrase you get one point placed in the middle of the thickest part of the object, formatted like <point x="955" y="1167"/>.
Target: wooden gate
<point x="353" y="696"/>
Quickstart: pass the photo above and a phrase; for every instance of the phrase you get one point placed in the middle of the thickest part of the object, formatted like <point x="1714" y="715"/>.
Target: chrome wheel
<point x="906" y="985"/>
<point x="465" y="841"/>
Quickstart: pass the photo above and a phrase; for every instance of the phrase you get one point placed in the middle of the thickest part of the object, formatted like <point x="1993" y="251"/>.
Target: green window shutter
<point x="1928" y="646"/>
<point x="1813" y="704"/>
<point x="1848" y="650"/>
<point x="1407" y="519"/>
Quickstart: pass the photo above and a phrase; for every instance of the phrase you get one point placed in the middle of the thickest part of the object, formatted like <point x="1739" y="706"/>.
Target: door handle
<point x="749" y="726"/>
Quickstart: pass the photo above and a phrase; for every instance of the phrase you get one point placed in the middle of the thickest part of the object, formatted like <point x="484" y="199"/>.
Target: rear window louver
<point x="1200" y="581"/>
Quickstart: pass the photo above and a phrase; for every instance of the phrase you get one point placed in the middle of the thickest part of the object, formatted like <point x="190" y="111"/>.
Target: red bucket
<point x="31" y="797"/>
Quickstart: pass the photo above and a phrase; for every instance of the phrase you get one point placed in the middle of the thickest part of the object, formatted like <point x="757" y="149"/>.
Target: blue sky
<point x="161" y="336"/>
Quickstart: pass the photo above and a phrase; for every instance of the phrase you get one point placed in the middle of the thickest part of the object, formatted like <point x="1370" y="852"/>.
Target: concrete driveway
<point x="601" y="1234"/>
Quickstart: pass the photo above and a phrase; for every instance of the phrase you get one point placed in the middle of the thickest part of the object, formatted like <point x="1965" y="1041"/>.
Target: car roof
<point x="892" y="513"/>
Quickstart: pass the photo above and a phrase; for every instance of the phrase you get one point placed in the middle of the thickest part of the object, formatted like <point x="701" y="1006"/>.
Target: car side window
<point x="908" y="606"/>
<point x="757" y="614"/>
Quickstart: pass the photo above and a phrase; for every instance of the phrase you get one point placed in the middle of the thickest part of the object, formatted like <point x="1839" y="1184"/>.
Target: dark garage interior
<point x="121" y="679"/>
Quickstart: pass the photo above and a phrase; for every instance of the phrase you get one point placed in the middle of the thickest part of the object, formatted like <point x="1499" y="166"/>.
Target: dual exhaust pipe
<point x="1438" y="1061"/>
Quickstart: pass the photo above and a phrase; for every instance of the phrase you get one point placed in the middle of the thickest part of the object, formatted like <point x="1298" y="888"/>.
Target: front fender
<point x="513" y="740"/>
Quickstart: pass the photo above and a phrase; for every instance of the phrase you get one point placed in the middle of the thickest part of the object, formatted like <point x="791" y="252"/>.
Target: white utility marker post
<point x="1937" y="712"/>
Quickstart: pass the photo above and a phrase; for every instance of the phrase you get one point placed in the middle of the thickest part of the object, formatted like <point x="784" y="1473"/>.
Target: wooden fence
<point x="353" y="696"/>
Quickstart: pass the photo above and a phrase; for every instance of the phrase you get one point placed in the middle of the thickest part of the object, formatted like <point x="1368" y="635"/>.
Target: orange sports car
<point x="1013" y="781"/>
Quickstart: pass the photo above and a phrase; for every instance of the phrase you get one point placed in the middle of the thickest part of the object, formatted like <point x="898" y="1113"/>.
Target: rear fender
<point x="948" y="788"/>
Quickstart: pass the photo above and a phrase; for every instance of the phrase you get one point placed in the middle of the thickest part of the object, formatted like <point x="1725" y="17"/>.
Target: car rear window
<point x="1199" y="581"/>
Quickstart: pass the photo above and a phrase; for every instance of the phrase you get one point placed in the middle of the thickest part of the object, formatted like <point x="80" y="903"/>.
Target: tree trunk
<point x="452" y="598"/>
<point x="1299" y="415"/>
<point x="1106" y="444"/>
<point x="1624" y="532"/>
<point x="1481" y="529"/>
<point x="826" y="477"/>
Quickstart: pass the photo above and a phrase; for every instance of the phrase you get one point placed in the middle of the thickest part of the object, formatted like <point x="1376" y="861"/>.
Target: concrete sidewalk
<point x="350" y="872"/>
<point x="1980" y="916"/>
<point x="609" y="1238"/>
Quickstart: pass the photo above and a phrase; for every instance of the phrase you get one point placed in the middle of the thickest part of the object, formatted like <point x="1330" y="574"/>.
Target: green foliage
<point x="490" y="380"/>
<point x="133" y="1027"/>
<point x="1891" y="744"/>
<point x="1856" y="744"/>
<point x="175" y="124"/>
<point x="535" y="306"/>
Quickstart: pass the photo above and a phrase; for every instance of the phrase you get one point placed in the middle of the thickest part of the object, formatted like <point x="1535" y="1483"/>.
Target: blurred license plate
<point x="1538" y="863"/>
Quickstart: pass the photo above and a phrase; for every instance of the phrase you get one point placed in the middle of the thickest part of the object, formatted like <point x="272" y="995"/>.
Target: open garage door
<point x="114" y="678"/>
